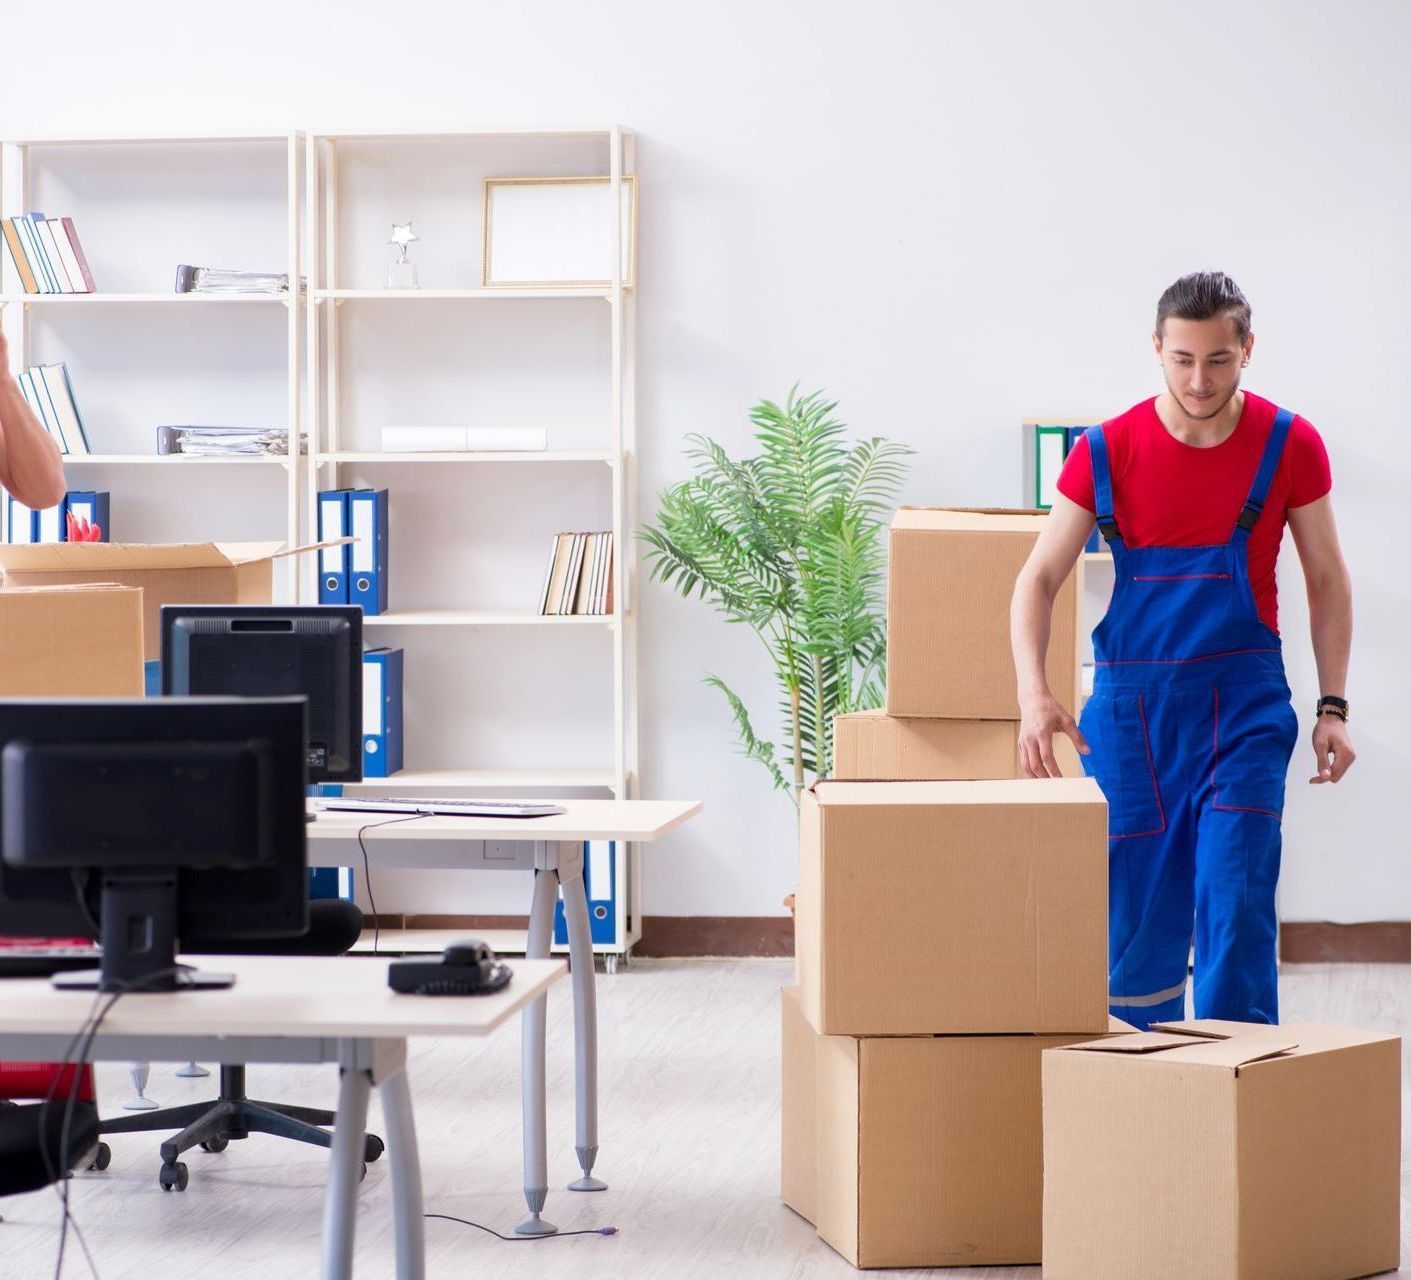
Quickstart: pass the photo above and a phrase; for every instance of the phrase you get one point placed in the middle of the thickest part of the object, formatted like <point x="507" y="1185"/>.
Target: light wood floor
<point x="690" y="1147"/>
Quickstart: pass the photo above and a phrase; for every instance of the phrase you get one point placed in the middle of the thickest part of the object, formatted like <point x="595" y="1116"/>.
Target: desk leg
<point x="408" y="1226"/>
<point x="585" y="1029"/>
<point x="345" y="1167"/>
<point x="536" y="1159"/>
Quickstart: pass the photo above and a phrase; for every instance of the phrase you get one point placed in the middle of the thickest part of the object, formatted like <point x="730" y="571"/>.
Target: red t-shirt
<point x="1170" y="494"/>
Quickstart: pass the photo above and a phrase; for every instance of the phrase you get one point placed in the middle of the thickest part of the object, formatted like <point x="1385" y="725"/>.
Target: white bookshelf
<point x="343" y="291"/>
<point x="33" y="169"/>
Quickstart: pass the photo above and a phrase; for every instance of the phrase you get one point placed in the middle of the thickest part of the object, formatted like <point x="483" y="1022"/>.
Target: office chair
<point x="33" y="1152"/>
<point x="334" y="926"/>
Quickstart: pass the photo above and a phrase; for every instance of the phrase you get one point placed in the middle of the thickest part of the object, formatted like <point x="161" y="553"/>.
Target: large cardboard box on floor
<point x="936" y="907"/>
<point x="915" y="1151"/>
<point x="71" y="642"/>
<point x="872" y="746"/>
<point x="175" y="573"/>
<point x="1225" y="1151"/>
<point x="950" y="577"/>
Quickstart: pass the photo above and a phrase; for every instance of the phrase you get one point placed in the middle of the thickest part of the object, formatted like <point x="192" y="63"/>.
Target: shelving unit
<point x="341" y="446"/>
<point x="23" y="170"/>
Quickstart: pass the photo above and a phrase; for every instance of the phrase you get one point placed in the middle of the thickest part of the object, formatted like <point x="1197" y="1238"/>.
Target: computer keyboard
<point x="441" y="805"/>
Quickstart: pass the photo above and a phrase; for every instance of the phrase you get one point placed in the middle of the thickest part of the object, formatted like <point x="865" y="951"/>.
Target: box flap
<point x="66" y="587"/>
<point x="990" y="519"/>
<point x="987" y="791"/>
<point x="251" y="552"/>
<point x="126" y="557"/>
<point x="1199" y="1050"/>
<point x="1136" y="1042"/>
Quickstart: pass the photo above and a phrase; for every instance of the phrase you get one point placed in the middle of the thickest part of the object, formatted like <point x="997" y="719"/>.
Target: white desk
<point x="290" y="1009"/>
<point x="552" y="847"/>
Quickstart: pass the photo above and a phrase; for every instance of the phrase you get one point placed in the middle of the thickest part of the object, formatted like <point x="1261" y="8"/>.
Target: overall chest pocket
<point x="1123" y="764"/>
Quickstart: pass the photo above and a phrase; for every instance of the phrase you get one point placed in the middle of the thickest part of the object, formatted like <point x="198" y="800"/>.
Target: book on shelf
<point x="47" y="254"/>
<point x="578" y="577"/>
<point x="191" y="279"/>
<point x="218" y="442"/>
<point x="49" y="393"/>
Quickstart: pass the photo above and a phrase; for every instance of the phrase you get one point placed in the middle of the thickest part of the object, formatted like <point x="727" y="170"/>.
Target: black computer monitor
<point x="151" y="824"/>
<point x="265" y="651"/>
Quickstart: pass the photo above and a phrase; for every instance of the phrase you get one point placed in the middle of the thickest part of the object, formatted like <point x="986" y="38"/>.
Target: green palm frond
<point x="790" y="544"/>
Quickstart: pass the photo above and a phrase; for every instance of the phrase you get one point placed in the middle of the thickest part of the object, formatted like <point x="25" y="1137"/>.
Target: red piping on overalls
<point x="1229" y="808"/>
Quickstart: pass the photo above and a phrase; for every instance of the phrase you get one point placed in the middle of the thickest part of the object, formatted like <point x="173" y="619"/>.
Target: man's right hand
<point x="1040" y="718"/>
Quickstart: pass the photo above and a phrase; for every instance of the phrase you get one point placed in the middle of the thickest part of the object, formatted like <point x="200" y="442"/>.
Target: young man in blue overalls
<point x="1189" y="730"/>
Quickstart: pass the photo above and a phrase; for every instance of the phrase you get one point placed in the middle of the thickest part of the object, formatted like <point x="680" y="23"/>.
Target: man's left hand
<point x="1332" y="749"/>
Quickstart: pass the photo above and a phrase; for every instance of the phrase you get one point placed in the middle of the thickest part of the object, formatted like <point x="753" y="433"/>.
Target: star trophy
<point x="401" y="274"/>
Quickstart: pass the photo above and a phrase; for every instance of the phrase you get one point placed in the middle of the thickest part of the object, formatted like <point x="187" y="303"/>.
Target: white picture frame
<point x="557" y="233"/>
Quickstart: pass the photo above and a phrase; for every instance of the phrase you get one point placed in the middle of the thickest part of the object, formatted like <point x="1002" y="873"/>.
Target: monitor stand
<point x="190" y="980"/>
<point x="138" y="939"/>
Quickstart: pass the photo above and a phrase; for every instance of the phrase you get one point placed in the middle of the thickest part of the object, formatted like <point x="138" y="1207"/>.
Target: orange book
<point x="17" y="253"/>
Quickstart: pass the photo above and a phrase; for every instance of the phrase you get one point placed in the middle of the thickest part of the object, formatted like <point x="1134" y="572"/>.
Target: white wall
<point x="951" y="216"/>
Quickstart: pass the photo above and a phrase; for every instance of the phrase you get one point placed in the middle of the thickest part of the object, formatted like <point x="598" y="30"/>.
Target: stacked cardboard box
<point x="951" y="925"/>
<point x="947" y="933"/>
<point x="952" y="706"/>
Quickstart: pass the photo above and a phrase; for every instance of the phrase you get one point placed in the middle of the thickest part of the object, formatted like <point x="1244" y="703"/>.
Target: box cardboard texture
<point x="951" y="574"/>
<point x="953" y="907"/>
<point x="875" y="747"/>
<point x="71" y="642"/>
<point x="175" y="573"/>
<point x="1223" y="1150"/>
<point x="798" y="1150"/>
<point x="915" y="1151"/>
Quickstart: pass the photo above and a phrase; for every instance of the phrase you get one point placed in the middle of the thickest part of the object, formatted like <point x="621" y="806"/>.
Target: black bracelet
<point x="1334" y="706"/>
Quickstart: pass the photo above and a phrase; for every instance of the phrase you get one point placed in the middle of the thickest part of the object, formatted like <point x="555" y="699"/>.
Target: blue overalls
<point x="1191" y="731"/>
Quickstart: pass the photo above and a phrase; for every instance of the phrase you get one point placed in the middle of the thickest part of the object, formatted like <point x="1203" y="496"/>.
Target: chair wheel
<point x="218" y="1143"/>
<point x="373" y="1146"/>
<point x="102" y="1158"/>
<point x="173" y="1176"/>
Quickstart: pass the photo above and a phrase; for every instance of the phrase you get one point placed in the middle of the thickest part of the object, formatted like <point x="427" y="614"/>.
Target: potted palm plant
<point x="789" y="543"/>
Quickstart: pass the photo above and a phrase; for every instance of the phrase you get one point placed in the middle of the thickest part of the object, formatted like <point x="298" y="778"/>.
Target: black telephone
<point x="466" y="968"/>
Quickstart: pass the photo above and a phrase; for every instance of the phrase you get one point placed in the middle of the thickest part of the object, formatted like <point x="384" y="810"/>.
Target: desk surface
<point x="334" y="996"/>
<point x="636" y="820"/>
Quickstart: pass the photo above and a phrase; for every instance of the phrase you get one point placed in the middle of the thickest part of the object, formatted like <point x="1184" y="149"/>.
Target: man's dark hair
<point x="1203" y="295"/>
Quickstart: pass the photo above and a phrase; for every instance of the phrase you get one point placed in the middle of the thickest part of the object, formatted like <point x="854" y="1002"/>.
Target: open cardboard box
<point x="1224" y="1150"/>
<point x="168" y="573"/>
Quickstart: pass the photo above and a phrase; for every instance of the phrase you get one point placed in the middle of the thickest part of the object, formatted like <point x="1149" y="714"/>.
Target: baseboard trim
<point x="662" y="936"/>
<point x="1370" y="942"/>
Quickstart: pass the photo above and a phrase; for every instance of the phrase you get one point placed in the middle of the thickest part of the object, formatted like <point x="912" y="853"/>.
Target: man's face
<point x="1201" y="361"/>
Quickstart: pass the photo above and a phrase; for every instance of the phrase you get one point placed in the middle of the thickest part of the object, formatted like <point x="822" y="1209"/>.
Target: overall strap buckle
<point x="1249" y="515"/>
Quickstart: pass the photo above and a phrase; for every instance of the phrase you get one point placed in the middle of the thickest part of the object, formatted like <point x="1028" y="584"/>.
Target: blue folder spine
<point x="367" y="556"/>
<point x="333" y="561"/>
<point x="600" y="882"/>
<point x="382" y="712"/>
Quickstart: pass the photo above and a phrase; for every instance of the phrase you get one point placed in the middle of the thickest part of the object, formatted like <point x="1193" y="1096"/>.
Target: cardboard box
<point x="798" y="1150"/>
<point x="1224" y="1151"/>
<point x="873" y="746"/>
<point x="71" y="642"/>
<point x="950" y="578"/>
<point x="953" y="907"/>
<point x="920" y="1151"/>
<point x="175" y="573"/>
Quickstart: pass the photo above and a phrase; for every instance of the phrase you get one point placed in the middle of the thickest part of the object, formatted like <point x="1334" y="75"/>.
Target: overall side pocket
<point x="1123" y="764"/>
